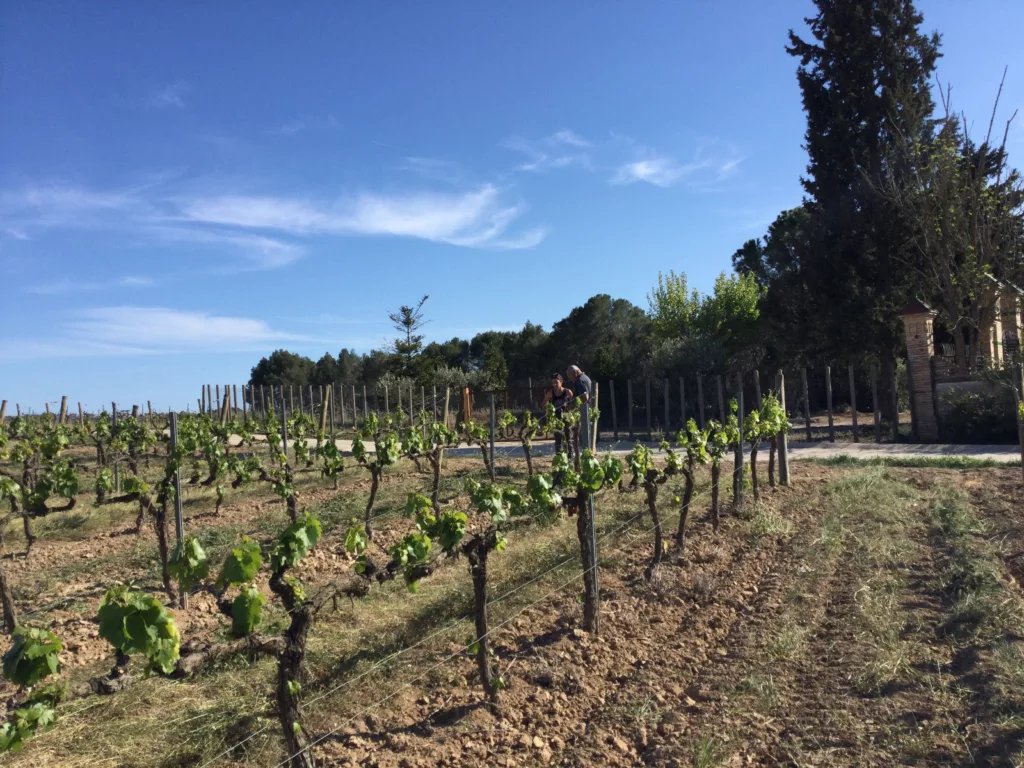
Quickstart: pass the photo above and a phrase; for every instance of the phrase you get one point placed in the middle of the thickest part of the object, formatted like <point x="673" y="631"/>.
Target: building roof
<point x="918" y="307"/>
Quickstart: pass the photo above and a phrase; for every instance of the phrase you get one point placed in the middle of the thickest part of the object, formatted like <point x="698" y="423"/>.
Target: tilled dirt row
<point x="626" y="697"/>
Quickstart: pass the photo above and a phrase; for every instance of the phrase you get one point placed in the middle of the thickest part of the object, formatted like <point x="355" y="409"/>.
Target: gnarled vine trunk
<point x="753" y="471"/>
<point x="368" y="515"/>
<point x="289" y="671"/>
<point x="477" y="549"/>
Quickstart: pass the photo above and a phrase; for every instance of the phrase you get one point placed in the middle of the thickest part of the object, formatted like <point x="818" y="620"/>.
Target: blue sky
<point x="186" y="187"/>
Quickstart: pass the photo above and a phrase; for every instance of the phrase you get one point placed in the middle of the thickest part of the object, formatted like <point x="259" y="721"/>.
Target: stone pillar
<point x="1010" y="314"/>
<point x="918" y="319"/>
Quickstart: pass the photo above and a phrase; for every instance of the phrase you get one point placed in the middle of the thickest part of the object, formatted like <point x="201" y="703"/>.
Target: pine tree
<point x="864" y="76"/>
<point x="408" y="320"/>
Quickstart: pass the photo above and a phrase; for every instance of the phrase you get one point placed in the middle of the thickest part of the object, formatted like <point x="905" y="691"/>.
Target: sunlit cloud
<point x="171" y="96"/>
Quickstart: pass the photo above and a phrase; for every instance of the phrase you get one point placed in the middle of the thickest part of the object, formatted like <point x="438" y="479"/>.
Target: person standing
<point x="582" y="387"/>
<point x="581" y="384"/>
<point x="559" y="396"/>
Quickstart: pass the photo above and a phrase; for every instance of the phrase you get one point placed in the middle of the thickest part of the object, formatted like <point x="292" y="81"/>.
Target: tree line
<point x="901" y="202"/>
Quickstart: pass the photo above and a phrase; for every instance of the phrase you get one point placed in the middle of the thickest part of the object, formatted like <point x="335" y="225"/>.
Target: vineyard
<point x="199" y="589"/>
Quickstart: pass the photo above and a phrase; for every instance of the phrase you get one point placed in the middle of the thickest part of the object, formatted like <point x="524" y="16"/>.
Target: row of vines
<point x="41" y="478"/>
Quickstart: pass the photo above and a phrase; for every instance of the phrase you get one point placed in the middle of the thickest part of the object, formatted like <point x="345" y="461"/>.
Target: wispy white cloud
<point x="561" y="149"/>
<point x="67" y="285"/>
<point x="128" y="330"/>
<point x="257" y="251"/>
<point x="16" y="234"/>
<point x="712" y="162"/>
<point x="292" y="127"/>
<point x="477" y="218"/>
<point x="170" y="96"/>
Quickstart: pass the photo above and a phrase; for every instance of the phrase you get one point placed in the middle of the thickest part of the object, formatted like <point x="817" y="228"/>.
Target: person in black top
<point x="559" y="395"/>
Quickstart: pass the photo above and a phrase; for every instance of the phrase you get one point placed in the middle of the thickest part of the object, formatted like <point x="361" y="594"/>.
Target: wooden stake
<point x="3" y="410"/>
<point x="783" y="449"/>
<point x="853" y="404"/>
<point x="700" y="401"/>
<point x="647" y="387"/>
<point x="721" y="399"/>
<point x="682" y="404"/>
<point x="615" y="416"/>
<point x="757" y="387"/>
<point x="597" y="424"/>
<point x="665" y="428"/>
<point x="447" y="394"/>
<point x="807" y="403"/>
<point x="828" y="398"/>
<point x="874" y="405"/>
<point x="63" y="417"/>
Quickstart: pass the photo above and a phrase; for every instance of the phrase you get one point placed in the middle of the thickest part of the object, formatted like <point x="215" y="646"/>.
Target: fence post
<point x="721" y="399"/>
<point x="757" y="387"/>
<point x="1019" y="391"/>
<point x="874" y="404"/>
<point x="700" y="400"/>
<point x="218" y="398"/>
<point x="853" y="403"/>
<point x="330" y="396"/>
<point x="179" y="521"/>
<point x="433" y="408"/>
<point x="423" y="399"/>
<point x="492" y="438"/>
<point x="647" y="384"/>
<point x="664" y="429"/>
<point x="62" y="417"/>
<point x="81" y="416"/>
<point x="113" y="429"/>
<point x="807" y="403"/>
<point x="447" y="394"/>
<point x="3" y="410"/>
<point x="629" y="406"/>
<point x="783" y="439"/>
<point x="828" y="397"/>
<point x="738" y="466"/>
<point x="592" y="591"/>
<point x="615" y="416"/>
<point x="682" y="403"/>
<point x="597" y="423"/>
<point x="529" y="386"/>
<point x="234" y="391"/>
<point x="202" y="399"/>
<point x="355" y="410"/>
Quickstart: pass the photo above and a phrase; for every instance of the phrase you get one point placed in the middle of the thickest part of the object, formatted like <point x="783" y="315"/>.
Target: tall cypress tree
<point x="865" y="76"/>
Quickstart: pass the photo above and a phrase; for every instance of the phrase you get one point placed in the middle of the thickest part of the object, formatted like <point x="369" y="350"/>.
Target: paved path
<point x="797" y="450"/>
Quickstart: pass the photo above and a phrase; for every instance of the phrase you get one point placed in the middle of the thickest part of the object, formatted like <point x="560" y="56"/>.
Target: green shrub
<point x="978" y="417"/>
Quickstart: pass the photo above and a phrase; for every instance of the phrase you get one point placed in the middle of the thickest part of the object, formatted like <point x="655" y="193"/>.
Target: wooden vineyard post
<point x="387" y="403"/>
<point x="17" y="409"/>
<point x="399" y="406"/>
<point x="492" y="437"/>
<point x="366" y="407"/>
<point x="615" y="416"/>
<point x="783" y="438"/>
<point x="135" y="411"/>
<point x="433" y="408"/>
<point x="209" y="399"/>
<point x="81" y="416"/>
<point x="423" y="399"/>
<point x="149" y="409"/>
<point x="246" y="394"/>
<point x="234" y="395"/>
<point x="874" y="405"/>
<point x="682" y="403"/>
<point x="263" y="403"/>
<point x="665" y="428"/>
<point x="597" y="424"/>
<point x="330" y="396"/>
<point x="721" y="399"/>
<point x="529" y="389"/>
<point x="807" y="403"/>
<point x="828" y="400"/>
<point x="467" y="405"/>
<point x="323" y="412"/>
<point x="63" y="416"/>
<point x="700" y="401"/>
<point x="355" y="411"/>
<point x="757" y="387"/>
<point x="218" y="398"/>
<point x="46" y="407"/>
<point x="447" y="395"/>
<point x="853" y="403"/>
<point x="113" y="429"/>
<point x="739" y="455"/>
<point x="291" y="400"/>
<point x="587" y="532"/>
<point x="3" y="411"/>
<point x="647" y="387"/>
<point x="629" y="406"/>
<point x="179" y="521"/>
<point x="1019" y="390"/>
